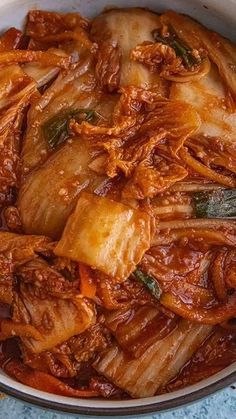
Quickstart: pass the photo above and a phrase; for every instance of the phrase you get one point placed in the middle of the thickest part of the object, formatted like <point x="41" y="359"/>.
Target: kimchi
<point x="118" y="203"/>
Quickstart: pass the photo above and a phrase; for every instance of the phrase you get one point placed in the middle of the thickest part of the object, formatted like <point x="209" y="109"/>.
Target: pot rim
<point x="154" y="407"/>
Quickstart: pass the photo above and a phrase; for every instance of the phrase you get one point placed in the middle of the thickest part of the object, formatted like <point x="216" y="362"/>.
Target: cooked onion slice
<point x="212" y="316"/>
<point x="206" y="171"/>
<point x="23" y="56"/>
<point x="197" y="223"/>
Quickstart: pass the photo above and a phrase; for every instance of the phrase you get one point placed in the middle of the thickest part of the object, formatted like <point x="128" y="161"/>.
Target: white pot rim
<point x="101" y="407"/>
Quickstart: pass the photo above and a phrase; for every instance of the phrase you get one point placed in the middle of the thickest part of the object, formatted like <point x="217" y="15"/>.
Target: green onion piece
<point x="56" y="129"/>
<point x="215" y="204"/>
<point x="149" y="282"/>
<point x="181" y="49"/>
